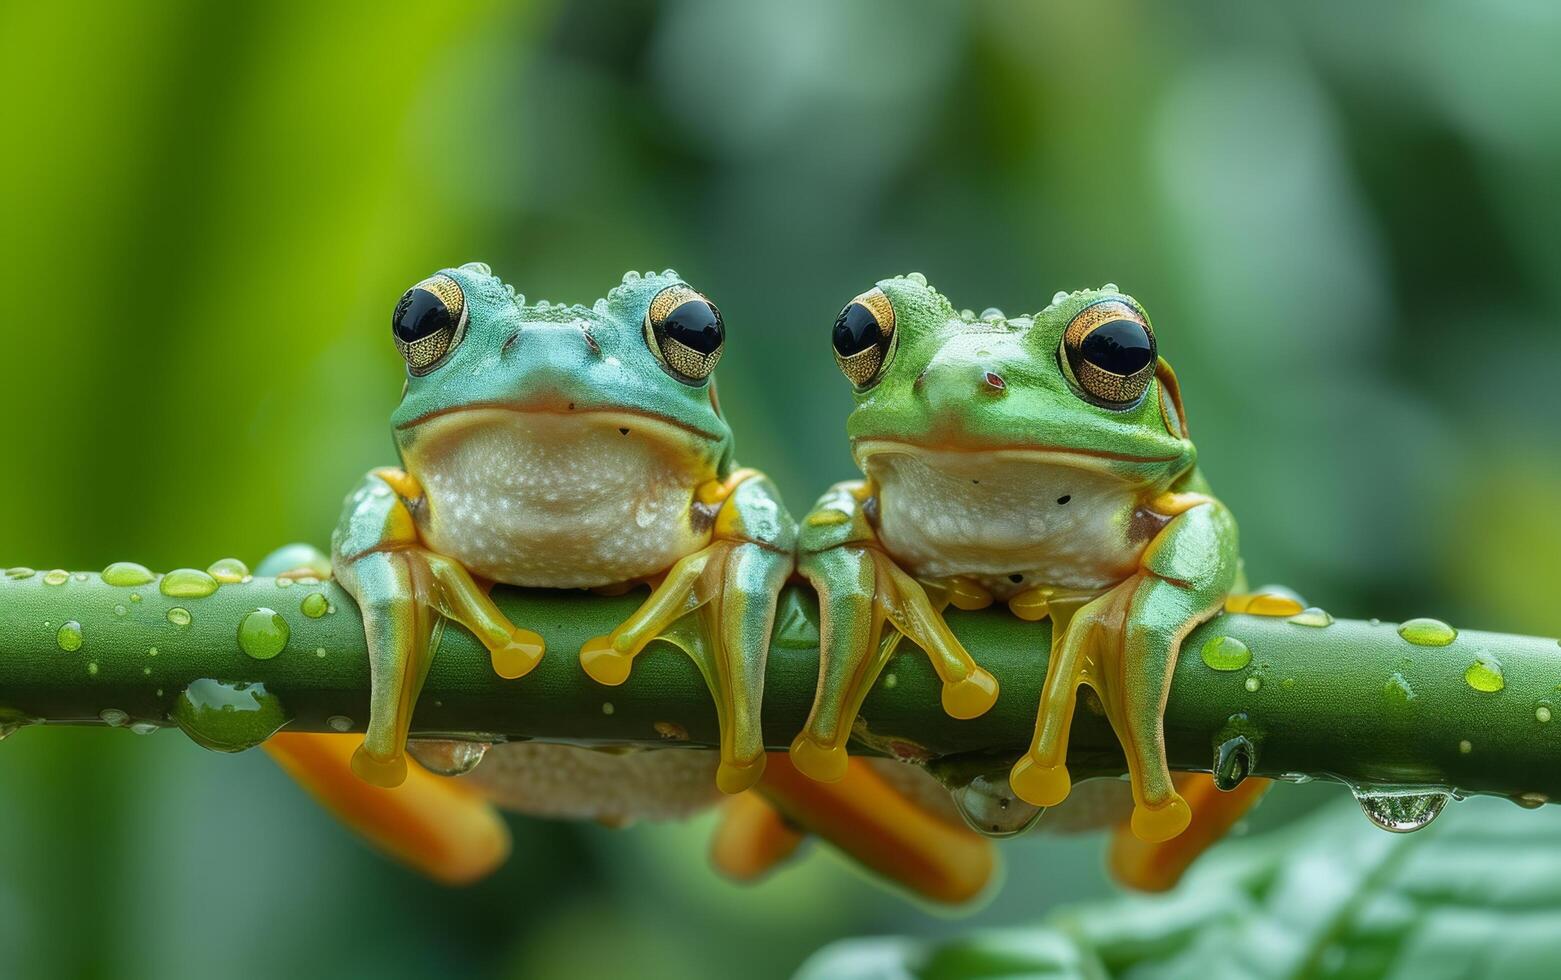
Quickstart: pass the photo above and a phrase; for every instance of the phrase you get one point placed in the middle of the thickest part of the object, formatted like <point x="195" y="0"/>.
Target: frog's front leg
<point x="861" y="590"/>
<point x="732" y="585"/>
<point x="400" y="587"/>
<point x="1124" y="644"/>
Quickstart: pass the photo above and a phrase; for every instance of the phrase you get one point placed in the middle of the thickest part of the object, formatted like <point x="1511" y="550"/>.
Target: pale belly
<point x="561" y="501"/>
<point x="1010" y="526"/>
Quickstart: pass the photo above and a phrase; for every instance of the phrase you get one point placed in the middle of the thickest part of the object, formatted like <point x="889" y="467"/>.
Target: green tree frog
<point x="1041" y="461"/>
<point x="563" y="447"/>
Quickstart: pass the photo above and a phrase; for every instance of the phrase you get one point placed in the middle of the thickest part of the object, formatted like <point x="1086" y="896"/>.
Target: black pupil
<point x="696" y="325"/>
<point x="419" y="314"/>
<point x="1121" y="347"/>
<point x="856" y="329"/>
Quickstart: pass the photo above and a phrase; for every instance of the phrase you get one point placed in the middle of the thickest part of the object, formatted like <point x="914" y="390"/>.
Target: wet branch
<point x="1352" y="701"/>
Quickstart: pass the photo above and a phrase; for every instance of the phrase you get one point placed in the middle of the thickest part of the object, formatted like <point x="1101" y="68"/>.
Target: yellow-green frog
<point x="562" y="447"/>
<point x="1039" y="461"/>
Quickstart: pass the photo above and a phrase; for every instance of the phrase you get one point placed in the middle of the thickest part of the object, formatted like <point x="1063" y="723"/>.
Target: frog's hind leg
<point x="872" y="820"/>
<point x="732" y="587"/>
<point x="435" y="824"/>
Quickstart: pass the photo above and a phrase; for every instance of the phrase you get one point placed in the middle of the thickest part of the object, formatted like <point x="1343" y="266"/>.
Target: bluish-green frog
<point x="562" y="447"/>
<point x="1042" y="461"/>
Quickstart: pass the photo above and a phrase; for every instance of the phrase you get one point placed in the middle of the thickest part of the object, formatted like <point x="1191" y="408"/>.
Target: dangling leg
<point x="733" y="584"/>
<point x="378" y="557"/>
<point x="1127" y="642"/>
<point x="860" y="591"/>
<point x="1041" y="777"/>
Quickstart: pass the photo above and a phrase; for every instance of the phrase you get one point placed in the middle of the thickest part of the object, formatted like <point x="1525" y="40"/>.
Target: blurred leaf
<point x="1478" y="893"/>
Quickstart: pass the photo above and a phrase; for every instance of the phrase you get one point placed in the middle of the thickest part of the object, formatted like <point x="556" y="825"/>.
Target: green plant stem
<point x="1352" y="701"/>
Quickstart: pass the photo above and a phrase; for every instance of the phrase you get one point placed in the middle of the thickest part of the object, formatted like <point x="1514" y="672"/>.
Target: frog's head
<point x="639" y="361"/>
<point x="1077" y="385"/>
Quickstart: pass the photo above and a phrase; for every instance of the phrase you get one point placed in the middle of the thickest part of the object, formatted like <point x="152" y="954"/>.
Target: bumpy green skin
<point x="512" y="421"/>
<point x="1330" y="703"/>
<point x="994" y="388"/>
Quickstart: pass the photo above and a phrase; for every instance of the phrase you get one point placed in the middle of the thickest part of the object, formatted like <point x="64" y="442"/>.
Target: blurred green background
<point x="1344" y="223"/>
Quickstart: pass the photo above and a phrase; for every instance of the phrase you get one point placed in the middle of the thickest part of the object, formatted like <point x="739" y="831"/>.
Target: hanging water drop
<point x="113" y="717"/>
<point x="990" y="807"/>
<point x="447" y="757"/>
<point x="1233" y="762"/>
<point x="1400" y="811"/>
<point x="228" y="717"/>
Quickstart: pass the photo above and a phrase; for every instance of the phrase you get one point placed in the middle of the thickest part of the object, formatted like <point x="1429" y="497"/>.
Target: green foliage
<point x="1478" y="893"/>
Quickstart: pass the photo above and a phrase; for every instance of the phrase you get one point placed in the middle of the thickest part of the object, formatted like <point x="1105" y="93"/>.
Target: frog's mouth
<point x="629" y="418"/>
<point x="1120" y="465"/>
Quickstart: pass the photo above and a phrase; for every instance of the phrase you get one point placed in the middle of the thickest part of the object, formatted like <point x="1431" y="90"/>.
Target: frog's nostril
<point x="509" y="342"/>
<point x="994" y="382"/>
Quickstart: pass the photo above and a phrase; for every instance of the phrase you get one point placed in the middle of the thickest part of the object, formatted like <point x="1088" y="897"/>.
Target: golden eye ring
<point x="1109" y="353"/>
<point x="685" y="332"/>
<point x="864" y="338"/>
<point x="429" y="322"/>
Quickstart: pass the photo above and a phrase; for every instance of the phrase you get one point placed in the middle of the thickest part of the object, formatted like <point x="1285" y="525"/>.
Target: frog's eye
<point x="1108" y="351"/>
<point x="685" y="332"/>
<point x="864" y="337"/>
<point x="429" y="322"/>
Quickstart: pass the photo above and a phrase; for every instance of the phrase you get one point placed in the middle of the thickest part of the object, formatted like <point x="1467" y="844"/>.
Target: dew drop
<point x="1428" y="633"/>
<point x="20" y="572"/>
<point x="1226" y="653"/>
<point x="1542" y="714"/>
<point x="58" y="576"/>
<point x="113" y="717"/>
<point x="1485" y="673"/>
<point x="1402" y="812"/>
<point x="445" y="757"/>
<point x="339" y="723"/>
<point x="607" y="708"/>
<point x="187" y="583"/>
<point x="314" y="605"/>
<point x="990" y="807"/>
<point x="1397" y="690"/>
<point x="127" y="573"/>
<point x="262" y="633"/>
<point x="890" y="682"/>
<point x="179" y="616"/>
<point x="92" y="669"/>
<point x="228" y="571"/>
<point x="1253" y="683"/>
<point x="1465" y="747"/>
<point x="69" y="636"/>
<point x="1312" y="616"/>
<point x="119" y="609"/>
